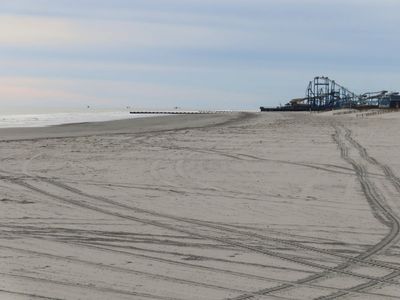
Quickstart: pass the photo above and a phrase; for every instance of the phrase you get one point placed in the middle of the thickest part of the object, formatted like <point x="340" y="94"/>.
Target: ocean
<point x="47" y="117"/>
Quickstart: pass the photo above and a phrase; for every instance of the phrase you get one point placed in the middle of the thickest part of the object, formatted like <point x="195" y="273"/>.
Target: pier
<point x="177" y="112"/>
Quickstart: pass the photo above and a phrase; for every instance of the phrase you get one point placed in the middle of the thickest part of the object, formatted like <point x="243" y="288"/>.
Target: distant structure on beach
<point x="179" y="112"/>
<point x="323" y="93"/>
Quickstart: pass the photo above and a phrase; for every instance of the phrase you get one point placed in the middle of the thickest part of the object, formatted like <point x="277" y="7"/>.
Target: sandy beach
<point x="225" y="206"/>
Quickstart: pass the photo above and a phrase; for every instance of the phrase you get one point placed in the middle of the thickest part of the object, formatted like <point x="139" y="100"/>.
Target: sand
<point x="227" y="206"/>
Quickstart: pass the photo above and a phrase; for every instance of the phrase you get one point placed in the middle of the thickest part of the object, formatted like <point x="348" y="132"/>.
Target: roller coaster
<point x="323" y="93"/>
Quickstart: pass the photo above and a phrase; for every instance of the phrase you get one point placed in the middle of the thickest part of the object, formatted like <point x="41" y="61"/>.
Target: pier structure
<point x="322" y="93"/>
<point x="178" y="112"/>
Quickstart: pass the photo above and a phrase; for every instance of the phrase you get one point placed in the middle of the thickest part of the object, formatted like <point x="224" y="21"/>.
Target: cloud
<point x="62" y="92"/>
<point x="33" y="31"/>
<point x="69" y="33"/>
<point x="193" y="52"/>
<point x="19" y="91"/>
<point x="289" y="27"/>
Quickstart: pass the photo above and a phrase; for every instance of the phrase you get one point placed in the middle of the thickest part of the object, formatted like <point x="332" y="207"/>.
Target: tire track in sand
<point x="393" y="218"/>
<point x="189" y="232"/>
<point x="379" y="208"/>
<point x="385" y="219"/>
<point x="125" y="270"/>
<point x="224" y="228"/>
<point x="86" y="287"/>
<point x="178" y="280"/>
<point x="206" y="224"/>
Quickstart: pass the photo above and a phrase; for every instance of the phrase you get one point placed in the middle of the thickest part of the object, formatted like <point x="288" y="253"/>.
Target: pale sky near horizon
<point x="220" y="54"/>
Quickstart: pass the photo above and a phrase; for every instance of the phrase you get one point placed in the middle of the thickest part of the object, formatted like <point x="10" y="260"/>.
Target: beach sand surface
<point x="220" y="206"/>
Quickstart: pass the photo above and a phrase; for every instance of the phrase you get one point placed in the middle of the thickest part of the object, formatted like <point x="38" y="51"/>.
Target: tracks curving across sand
<point x="199" y="211"/>
<point x="381" y="211"/>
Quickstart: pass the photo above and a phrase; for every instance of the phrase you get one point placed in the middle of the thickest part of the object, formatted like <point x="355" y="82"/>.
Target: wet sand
<point x="229" y="206"/>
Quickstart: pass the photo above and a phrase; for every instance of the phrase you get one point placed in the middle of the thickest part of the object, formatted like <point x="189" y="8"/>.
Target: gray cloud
<point x="203" y="52"/>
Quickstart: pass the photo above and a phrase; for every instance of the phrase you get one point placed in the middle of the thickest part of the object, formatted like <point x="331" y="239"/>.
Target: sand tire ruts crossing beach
<point x="235" y="206"/>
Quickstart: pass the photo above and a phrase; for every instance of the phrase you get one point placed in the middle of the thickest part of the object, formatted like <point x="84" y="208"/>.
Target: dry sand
<point x="235" y="206"/>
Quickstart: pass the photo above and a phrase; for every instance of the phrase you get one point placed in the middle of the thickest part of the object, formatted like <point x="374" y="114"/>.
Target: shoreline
<point x="123" y="126"/>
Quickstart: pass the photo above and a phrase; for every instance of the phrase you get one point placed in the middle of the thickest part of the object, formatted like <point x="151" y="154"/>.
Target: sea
<point x="41" y="117"/>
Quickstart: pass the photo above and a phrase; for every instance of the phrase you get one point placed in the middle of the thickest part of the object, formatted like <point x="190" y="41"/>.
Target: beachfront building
<point x="390" y="100"/>
<point x="395" y="101"/>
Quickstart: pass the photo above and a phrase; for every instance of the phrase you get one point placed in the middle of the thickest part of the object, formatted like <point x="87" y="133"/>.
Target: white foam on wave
<point x="48" y="119"/>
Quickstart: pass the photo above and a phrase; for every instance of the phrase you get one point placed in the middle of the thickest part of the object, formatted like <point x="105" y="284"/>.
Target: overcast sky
<point x="223" y="54"/>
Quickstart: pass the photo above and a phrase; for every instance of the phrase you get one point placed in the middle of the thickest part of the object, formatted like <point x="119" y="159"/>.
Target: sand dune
<point x="229" y="206"/>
